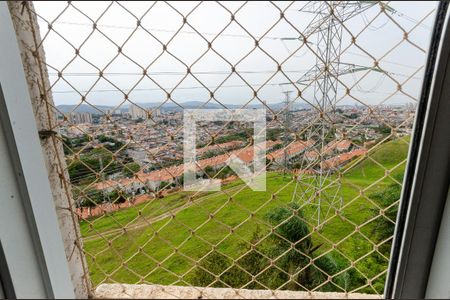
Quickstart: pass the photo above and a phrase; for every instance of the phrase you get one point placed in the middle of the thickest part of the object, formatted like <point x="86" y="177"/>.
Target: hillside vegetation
<point x="162" y="247"/>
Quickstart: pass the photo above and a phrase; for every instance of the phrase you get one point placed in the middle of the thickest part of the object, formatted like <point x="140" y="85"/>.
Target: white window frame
<point x="34" y="260"/>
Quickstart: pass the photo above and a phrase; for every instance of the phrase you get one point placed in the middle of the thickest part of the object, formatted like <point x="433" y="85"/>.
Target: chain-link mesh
<point x="339" y="81"/>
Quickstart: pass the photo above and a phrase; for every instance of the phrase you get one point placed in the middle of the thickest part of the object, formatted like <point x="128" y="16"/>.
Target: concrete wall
<point x="143" y="291"/>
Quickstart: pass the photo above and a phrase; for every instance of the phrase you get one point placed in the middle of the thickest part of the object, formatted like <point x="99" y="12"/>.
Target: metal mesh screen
<point x="339" y="81"/>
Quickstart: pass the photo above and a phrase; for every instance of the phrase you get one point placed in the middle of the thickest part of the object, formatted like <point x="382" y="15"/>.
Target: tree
<point x="384" y="227"/>
<point x="273" y="133"/>
<point x="71" y="145"/>
<point x="163" y="185"/>
<point x="212" y="265"/>
<point x="294" y="230"/>
<point x="352" y="116"/>
<point x="110" y="143"/>
<point x="294" y="240"/>
<point x="85" y="169"/>
<point x="116" y="197"/>
<point x="87" y="198"/>
<point x="384" y="129"/>
<point x="209" y="172"/>
<point x="291" y="230"/>
<point x="215" y="264"/>
<point x="130" y="169"/>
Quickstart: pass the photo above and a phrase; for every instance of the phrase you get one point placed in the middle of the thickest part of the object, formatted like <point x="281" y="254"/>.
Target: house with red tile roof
<point x="340" y="159"/>
<point x="333" y="146"/>
<point x="290" y="151"/>
<point x="219" y="147"/>
<point x="154" y="179"/>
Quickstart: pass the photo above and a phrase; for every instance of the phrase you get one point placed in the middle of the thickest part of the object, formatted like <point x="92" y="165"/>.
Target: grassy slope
<point x="232" y="210"/>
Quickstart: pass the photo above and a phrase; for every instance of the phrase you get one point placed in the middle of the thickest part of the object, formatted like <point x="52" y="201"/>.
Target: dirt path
<point x="149" y="221"/>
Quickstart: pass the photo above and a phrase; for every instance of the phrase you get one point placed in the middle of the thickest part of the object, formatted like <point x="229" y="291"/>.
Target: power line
<point x="372" y="27"/>
<point x="209" y="33"/>
<point x="395" y="11"/>
<point x="159" y="89"/>
<point x="356" y="54"/>
<point x="197" y="87"/>
<point x="222" y="34"/>
<point x="382" y="61"/>
<point x="274" y="84"/>
<point x="406" y="17"/>
<point x="171" y="73"/>
<point x="164" y="30"/>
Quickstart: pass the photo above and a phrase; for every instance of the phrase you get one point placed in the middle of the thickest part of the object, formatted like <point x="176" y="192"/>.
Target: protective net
<point x="338" y="82"/>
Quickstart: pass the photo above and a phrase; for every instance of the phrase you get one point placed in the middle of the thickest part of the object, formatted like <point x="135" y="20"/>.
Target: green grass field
<point x="160" y="248"/>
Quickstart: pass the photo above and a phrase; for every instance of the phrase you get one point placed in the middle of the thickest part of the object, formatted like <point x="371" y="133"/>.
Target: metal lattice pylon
<point x="327" y="24"/>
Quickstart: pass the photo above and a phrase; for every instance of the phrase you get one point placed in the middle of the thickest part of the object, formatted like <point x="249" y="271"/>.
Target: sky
<point x="380" y="35"/>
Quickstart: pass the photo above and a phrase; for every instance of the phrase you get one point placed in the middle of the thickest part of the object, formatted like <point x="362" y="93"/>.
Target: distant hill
<point x="170" y="106"/>
<point x="83" y="108"/>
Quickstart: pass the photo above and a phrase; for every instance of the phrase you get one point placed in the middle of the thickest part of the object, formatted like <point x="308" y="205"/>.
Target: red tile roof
<point x="223" y="146"/>
<point x="245" y="154"/>
<point x="304" y="171"/>
<point x="292" y="149"/>
<point x="328" y="149"/>
<point x="166" y="174"/>
<point x="342" y="158"/>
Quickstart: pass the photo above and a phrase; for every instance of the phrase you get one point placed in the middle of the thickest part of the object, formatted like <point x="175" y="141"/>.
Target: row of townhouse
<point x="289" y="152"/>
<point x="154" y="179"/>
<point x="219" y="147"/>
<point x="341" y="159"/>
<point x="333" y="147"/>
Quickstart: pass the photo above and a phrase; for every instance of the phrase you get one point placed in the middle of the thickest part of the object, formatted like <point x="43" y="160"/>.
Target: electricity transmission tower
<point x="320" y="191"/>
<point x="287" y="126"/>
